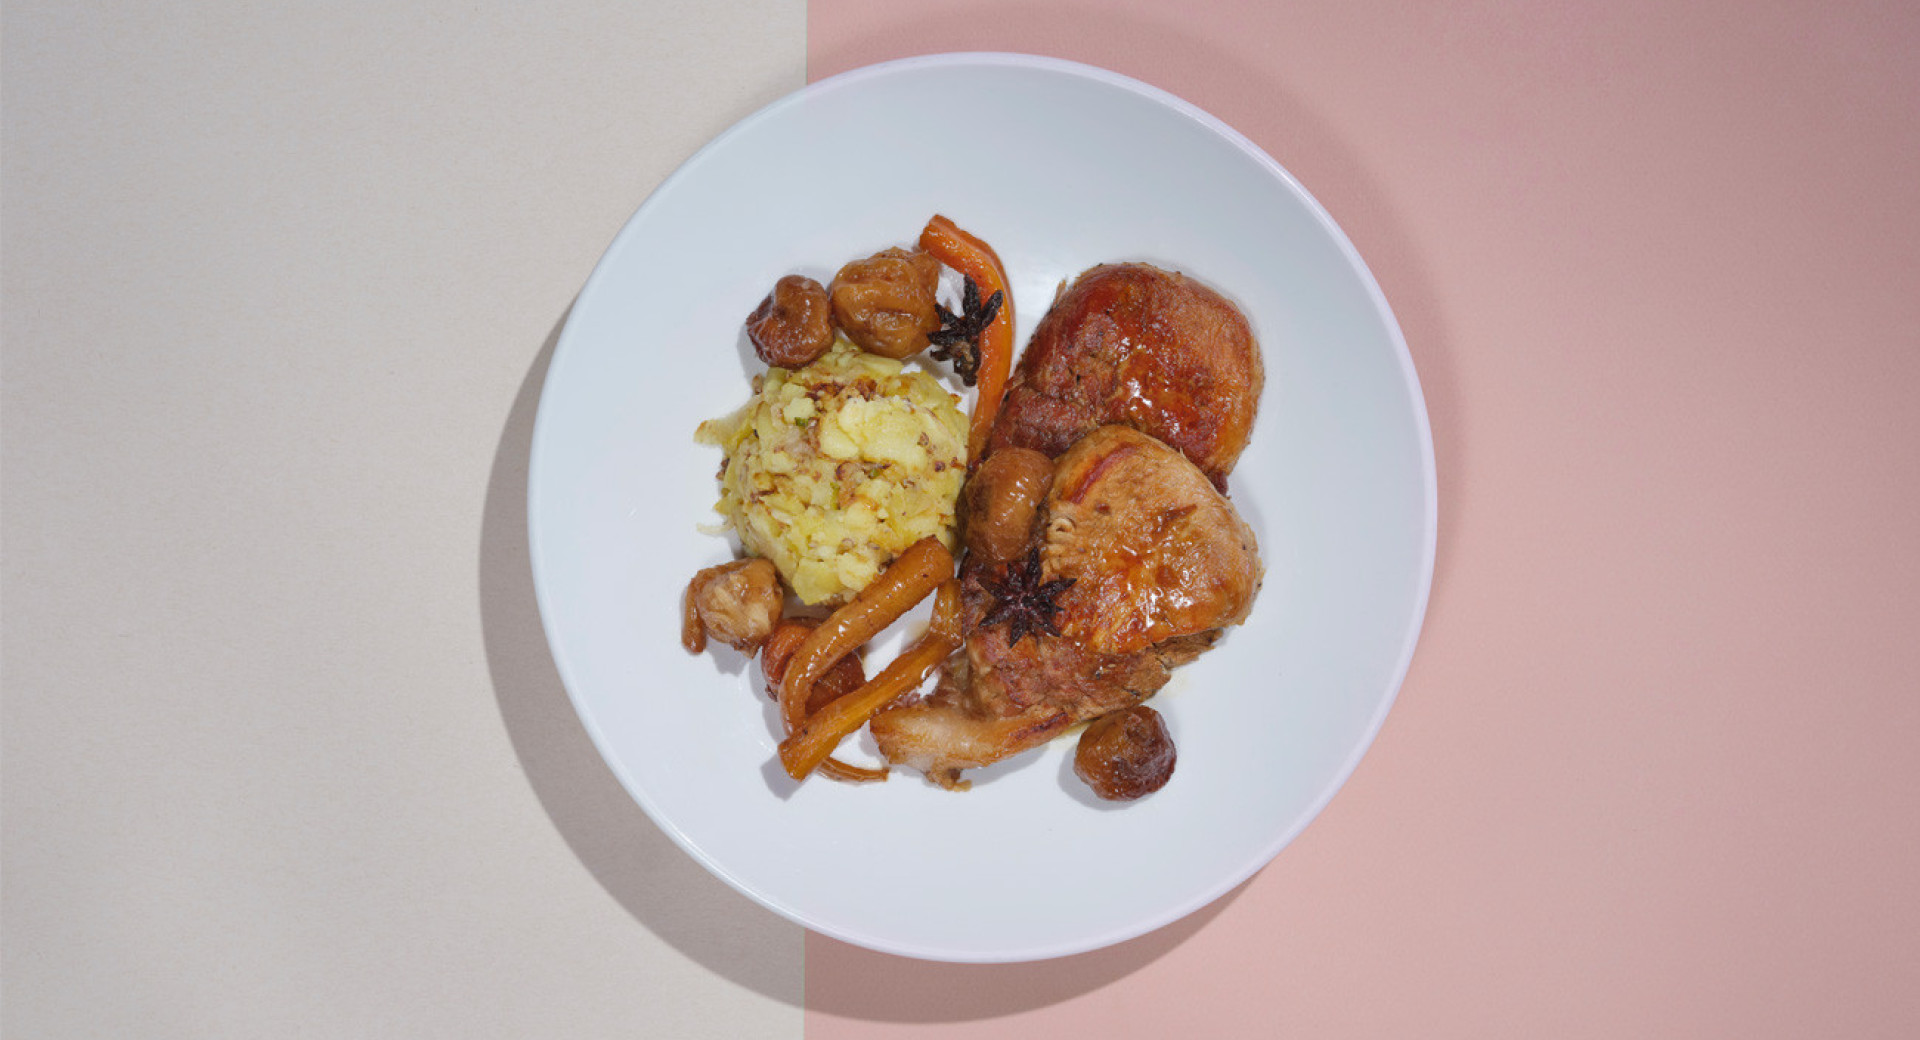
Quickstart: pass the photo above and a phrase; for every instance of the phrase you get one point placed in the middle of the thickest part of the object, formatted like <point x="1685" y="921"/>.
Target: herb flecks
<point x="958" y="338"/>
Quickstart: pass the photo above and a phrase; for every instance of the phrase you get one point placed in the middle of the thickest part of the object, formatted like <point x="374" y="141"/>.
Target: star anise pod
<point x="1023" y="601"/>
<point x="958" y="338"/>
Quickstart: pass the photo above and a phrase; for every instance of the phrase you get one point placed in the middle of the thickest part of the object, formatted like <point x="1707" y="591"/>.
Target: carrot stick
<point x="945" y="622"/>
<point x="916" y="572"/>
<point x="824" y="730"/>
<point x="847" y="772"/>
<point x="975" y="259"/>
<point x="843" y="678"/>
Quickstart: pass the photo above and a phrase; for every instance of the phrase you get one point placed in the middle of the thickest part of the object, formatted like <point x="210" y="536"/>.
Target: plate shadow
<point x="666" y="890"/>
<point x="901" y="989"/>
<point x="633" y="860"/>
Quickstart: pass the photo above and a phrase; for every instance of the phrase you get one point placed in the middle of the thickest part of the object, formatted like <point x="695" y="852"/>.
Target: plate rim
<point x="1429" y="540"/>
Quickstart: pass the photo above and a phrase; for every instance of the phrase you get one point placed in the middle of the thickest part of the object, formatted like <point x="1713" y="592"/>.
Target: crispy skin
<point x="1153" y="550"/>
<point x="951" y="731"/>
<point x="1151" y="349"/>
<point x="1160" y="564"/>
<point x="1062" y="672"/>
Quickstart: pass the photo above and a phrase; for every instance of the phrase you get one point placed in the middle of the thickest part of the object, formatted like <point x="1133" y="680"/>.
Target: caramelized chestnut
<point x="885" y="303"/>
<point x="793" y="326"/>
<point x="997" y="505"/>
<point x="1126" y="754"/>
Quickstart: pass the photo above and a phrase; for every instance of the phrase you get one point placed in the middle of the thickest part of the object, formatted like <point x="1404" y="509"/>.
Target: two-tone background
<point x="281" y="749"/>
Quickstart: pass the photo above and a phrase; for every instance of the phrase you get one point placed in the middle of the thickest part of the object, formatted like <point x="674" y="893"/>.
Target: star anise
<point x="1023" y="601"/>
<point x="958" y="338"/>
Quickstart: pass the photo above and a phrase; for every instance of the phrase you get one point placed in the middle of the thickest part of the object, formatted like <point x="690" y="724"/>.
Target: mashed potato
<point x="833" y="470"/>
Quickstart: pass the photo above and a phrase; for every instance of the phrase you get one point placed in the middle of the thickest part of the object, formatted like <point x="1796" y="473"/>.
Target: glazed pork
<point x="1147" y="348"/>
<point x="1153" y="550"/>
<point x="1135" y="564"/>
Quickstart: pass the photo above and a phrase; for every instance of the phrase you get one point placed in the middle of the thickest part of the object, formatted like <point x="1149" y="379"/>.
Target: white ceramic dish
<point x="1065" y="166"/>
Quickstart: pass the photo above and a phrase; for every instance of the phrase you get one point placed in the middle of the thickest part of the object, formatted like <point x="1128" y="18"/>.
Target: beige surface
<point x="283" y="750"/>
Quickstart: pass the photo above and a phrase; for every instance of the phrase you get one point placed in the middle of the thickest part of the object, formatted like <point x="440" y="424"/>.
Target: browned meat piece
<point x="1159" y="563"/>
<point x="1132" y="344"/>
<point x="737" y="603"/>
<point x="1153" y="550"/>
<point x="951" y="731"/>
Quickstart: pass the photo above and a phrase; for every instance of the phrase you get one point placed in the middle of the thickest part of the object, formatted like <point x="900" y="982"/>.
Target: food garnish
<point x="793" y="326"/>
<point x="1024" y="602"/>
<point x="958" y="338"/>
<point x="1000" y="501"/>
<point x="737" y="603"/>
<point x="885" y="303"/>
<point x="846" y="675"/>
<point x="976" y="260"/>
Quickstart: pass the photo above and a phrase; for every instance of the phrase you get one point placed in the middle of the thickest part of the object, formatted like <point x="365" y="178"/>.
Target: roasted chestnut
<point x="1125" y="755"/>
<point x="793" y="326"/>
<point x="997" y="505"/>
<point x="885" y="303"/>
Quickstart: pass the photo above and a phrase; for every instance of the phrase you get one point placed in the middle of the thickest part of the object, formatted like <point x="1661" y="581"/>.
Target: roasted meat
<point x="1147" y="348"/>
<point x="951" y="731"/>
<point x="1155" y="558"/>
<point x="1141" y="564"/>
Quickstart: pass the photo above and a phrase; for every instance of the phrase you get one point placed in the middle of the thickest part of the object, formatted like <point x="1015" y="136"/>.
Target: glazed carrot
<point x="815" y="740"/>
<point x="975" y="259"/>
<point x="823" y="731"/>
<point x="907" y="581"/>
<point x="850" y="773"/>
<point x="843" y="678"/>
<point x="945" y="621"/>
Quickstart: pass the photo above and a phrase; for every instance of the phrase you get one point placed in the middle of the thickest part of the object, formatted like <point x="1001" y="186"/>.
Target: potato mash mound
<point x="833" y="470"/>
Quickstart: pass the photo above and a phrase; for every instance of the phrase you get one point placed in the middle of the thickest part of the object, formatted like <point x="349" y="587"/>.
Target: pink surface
<point x="1653" y="772"/>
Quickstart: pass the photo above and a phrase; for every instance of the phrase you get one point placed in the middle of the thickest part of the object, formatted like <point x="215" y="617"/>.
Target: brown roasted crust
<point x="1147" y="348"/>
<point x="1141" y="386"/>
<point x="1041" y="671"/>
<point x="1152" y="550"/>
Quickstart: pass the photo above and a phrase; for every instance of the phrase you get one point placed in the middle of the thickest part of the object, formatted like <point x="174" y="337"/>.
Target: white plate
<point x="1060" y="166"/>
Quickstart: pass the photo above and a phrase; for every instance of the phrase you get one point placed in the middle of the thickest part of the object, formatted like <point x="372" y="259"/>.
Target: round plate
<point x="1060" y="166"/>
